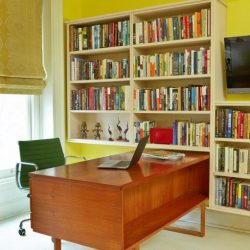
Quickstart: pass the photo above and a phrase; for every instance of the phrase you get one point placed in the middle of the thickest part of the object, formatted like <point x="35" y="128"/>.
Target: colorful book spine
<point x="142" y="129"/>
<point x="186" y="133"/>
<point x="172" y="63"/>
<point x="173" y="28"/>
<point x="82" y="69"/>
<point x="103" y="98"/>
<point x="232" y="192"/>
<point x="99" y="35"/>
<point x="231" y="123"/>
<point x="190" y="98"/>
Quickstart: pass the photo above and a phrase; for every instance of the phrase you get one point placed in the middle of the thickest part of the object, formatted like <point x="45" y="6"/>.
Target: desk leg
<point x="200" y="233"/>
<point x="57" y="244"/>
<point x="203" y="218"/>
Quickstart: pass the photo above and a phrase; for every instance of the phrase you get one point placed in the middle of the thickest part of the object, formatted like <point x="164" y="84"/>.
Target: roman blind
<point x="21" y="60"/>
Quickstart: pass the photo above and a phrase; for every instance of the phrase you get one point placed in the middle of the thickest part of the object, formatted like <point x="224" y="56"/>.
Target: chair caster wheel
<point x="22" y="232"/>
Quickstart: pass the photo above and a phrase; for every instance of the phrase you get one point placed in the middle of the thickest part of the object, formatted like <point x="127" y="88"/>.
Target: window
<point x="31" y="117"/>
<point x="15" y="125"/>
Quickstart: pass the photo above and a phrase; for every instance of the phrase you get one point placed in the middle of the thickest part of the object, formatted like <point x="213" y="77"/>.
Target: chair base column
<point x="22" y="231"/>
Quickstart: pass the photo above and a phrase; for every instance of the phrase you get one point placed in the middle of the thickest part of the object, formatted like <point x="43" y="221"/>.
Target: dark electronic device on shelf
<point x="237" y="59"/>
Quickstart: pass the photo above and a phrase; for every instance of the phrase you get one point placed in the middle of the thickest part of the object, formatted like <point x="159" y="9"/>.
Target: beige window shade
<point x="21" y="63"/>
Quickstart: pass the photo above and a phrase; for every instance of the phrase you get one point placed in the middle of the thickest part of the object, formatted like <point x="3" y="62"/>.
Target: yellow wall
<point x="238" y="23"/>
<point x="88" y="8"/>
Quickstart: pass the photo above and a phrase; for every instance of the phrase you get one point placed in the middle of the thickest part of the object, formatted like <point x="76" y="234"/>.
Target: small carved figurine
<point x="110" y="134"/>
<point x="120" y="130"/>
<point x="97" y="130"/>
<point x="125" y="132"/>
<point x="84" y="130"/>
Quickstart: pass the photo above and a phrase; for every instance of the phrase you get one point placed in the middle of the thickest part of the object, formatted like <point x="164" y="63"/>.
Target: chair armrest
<point x="18" y="170"/>
<point x="76" y="157"/>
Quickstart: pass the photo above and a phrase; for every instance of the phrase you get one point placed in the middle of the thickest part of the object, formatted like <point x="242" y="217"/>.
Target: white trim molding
<point x="52" y="100"/>
<point x="57" y="67"/>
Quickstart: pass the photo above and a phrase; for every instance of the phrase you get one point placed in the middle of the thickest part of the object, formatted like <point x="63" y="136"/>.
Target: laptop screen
<point x="139" y="150"/>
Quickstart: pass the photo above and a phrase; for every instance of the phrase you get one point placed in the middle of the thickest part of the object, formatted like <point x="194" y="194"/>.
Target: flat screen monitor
<point x="237" y="57"/>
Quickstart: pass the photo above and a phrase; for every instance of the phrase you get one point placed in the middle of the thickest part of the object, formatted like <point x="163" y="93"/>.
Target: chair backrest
<point x="45" y="153"/>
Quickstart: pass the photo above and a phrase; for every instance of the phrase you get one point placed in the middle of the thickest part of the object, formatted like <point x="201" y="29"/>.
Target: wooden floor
<point x="215" y="239"/>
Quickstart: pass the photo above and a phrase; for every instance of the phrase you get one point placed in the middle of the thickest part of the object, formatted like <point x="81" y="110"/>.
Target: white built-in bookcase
<point x="214" y="79"/>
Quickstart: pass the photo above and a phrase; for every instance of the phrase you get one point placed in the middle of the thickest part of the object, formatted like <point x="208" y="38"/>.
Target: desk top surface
<point x="86" y="171"/>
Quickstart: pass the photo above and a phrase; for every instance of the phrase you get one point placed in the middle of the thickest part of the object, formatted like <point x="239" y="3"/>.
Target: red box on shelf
<point x="161" y="135"/>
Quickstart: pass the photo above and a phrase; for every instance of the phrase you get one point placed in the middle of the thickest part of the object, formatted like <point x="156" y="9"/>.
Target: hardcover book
<point x="163" y="154"/>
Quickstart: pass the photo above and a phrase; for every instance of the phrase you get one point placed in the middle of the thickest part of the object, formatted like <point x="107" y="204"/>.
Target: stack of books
<point x="163" y="154"/>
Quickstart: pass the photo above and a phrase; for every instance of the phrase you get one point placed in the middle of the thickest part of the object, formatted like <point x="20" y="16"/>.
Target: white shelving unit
<point x="244" y="106"/>
<point x="107" y="118"/>
<point x="127" y="117"/>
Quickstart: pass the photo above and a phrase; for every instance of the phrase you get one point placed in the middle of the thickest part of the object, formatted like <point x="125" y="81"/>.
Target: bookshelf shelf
<point x="180" y="77"/>
<point x="232" y="140"/>
<point x="174" y="112"/>
<point x="178" y="147"/>
<point x="230" y="210"/>
<point x="233" y="175"/>
<point x="111" y="81"/>
<point x="101" y="142"/>
<point x="100" y="111"/>
<point x="108" y="50"/>
<point x="176" y="43"/>
<point x="232" y="104"/>
<point x="118" y="81"/>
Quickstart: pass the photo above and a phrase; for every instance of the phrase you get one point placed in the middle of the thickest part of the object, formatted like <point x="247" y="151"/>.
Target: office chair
<point x="37" y="155"/>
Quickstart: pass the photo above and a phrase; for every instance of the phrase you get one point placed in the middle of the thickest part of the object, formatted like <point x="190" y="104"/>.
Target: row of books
<point x="184" y="133"/>
<point x="99" y="35"/>
<point x="232" y="192"/>
<point x="142" y="129"/>
<point x="190" y="98"/>
<point x="189" y="62"/>
<point x="82" y="69"/>
<point x="232" y="160"/>
<point x="191" y="133"/>
<point x="104" y="98"/>
<point x="163" y="29"/>
<point x="231" y="123"/>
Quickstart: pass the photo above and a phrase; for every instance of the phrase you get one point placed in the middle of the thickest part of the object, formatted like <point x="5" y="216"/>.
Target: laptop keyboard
<point x="122" y="164"/>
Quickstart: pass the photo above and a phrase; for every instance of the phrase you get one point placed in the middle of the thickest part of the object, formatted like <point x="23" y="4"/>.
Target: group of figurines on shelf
<point x="98" y="130"/>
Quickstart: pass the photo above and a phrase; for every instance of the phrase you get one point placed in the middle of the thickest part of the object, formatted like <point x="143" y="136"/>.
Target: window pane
<point x="15" y="125"/>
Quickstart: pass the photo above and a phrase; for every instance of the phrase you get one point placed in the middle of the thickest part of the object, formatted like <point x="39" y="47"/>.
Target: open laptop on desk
<point x="121" y="164"/>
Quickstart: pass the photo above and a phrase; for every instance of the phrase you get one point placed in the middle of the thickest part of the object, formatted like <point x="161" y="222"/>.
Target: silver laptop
<point x="121" y="164"/>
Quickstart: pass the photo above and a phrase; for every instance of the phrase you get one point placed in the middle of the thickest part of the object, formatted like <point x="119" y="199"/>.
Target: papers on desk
<point x="163" y="154"/>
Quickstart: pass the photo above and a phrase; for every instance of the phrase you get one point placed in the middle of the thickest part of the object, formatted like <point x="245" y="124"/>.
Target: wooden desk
<point x="116" y="209"/>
